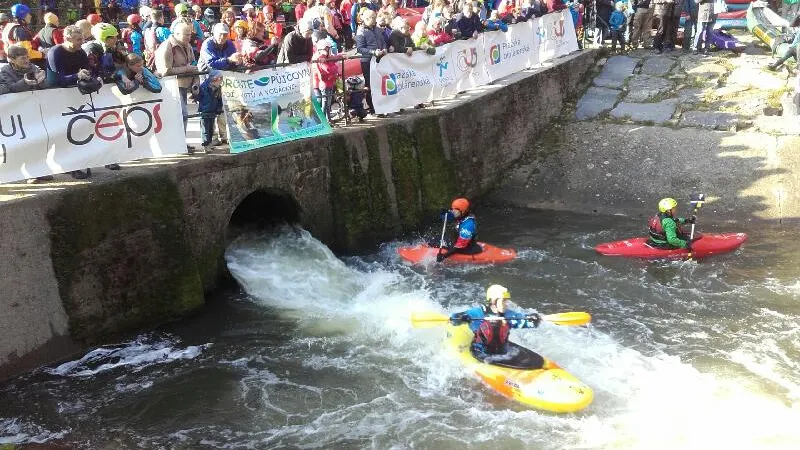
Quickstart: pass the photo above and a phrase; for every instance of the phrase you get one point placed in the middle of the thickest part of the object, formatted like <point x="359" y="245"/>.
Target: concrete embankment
<point x="666" y="125"/>
<point x="86" y="262"/>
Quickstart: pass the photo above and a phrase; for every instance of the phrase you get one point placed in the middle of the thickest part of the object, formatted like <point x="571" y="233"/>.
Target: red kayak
<point x="705" y="245"/>
<point x="423" y="253"/>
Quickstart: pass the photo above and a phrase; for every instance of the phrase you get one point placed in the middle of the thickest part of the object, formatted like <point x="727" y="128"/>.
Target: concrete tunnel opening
<point x="263" y="210"/>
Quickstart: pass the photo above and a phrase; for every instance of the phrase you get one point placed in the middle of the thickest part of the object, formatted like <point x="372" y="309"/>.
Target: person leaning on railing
<point x="19" y="75"/>
<point x="296" y="46"/>
<point x="369" y="43"/>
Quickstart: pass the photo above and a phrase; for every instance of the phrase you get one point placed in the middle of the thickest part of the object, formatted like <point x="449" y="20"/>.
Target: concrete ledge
<point x="90" y="261"/>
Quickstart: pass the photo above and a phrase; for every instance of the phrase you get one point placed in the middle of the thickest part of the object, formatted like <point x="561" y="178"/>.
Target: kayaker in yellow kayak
<point x="491" y="323"/>
<point x="665" y="229"/>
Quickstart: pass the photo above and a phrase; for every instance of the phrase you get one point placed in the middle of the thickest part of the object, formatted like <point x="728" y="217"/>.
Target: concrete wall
<point x="137" y="248"/>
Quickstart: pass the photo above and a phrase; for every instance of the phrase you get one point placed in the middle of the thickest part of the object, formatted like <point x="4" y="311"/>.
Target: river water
<point x="316" y="351"/>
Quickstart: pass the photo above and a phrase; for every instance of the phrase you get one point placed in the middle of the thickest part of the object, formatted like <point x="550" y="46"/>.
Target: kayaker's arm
<point x="519" y="320"/>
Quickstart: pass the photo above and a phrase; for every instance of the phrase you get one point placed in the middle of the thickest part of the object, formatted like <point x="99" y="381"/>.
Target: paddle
<point x="441" y="239"/>
<point x="696" y="200"/>
<point x="427" y="319"/>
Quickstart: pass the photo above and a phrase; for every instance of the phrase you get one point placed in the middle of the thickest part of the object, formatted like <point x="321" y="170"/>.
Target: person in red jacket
<point x="324" y="71"/>
<point x="436" y="33"/>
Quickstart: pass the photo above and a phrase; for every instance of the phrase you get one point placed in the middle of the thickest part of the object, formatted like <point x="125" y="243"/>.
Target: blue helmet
<point x="20" y="11"/>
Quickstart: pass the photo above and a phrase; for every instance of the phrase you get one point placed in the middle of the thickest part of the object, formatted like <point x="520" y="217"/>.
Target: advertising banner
<point x="58" y="130"/>
<point x="509" y="52"/>
<point x="271" y="106"/>
<point x="401" y="81"/>
<point x="555" y="36"/>
<point x="460" y="65"/>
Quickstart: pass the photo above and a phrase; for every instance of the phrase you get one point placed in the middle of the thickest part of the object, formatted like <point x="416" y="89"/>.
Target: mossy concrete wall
<point x="140" y="247"/>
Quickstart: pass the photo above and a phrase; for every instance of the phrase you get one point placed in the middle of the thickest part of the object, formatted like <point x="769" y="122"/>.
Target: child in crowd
<point x="494" y="23"/>
<point x="133" y="74"/>
<point x="209" y="106"/>
<point x="617" y="24"/>
<point x="355" y="101"/>
<point x="324" y="71"/>
<point x="420" y="38"/>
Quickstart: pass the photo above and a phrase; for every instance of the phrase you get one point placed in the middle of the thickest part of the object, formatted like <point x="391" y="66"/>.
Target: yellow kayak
<point x="549" y="388"/>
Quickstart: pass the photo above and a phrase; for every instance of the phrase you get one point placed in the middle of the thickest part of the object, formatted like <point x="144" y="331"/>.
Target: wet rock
<point x="643" y="87"/>
<point x="595" y="101"/>
<point x="657" y="113"/>
<point x="709" y="119"/>
<point x="616" y="70"/>
<point x="657" y="65"/>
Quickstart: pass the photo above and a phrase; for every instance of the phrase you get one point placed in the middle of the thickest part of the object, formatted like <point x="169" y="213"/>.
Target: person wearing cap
<point x="182" y="16"/>
<point x="218" y="52"/>
<point x="324" y="72"/>
<point x="296" y="46"/>
<point x="466" y="227"/>
<point x="49" y="35"/>
<point x="492" y="322"/>
<point x="175" y="57"/>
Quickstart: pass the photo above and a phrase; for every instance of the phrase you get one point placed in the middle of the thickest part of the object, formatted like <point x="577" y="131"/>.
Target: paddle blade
<point x="428" y="319"/>
<point x="574" y="318"/>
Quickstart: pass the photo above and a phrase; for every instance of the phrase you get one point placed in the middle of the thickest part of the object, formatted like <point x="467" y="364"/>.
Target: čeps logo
<point x="389" y="84"/>
<point x="134" y="120"/>
<point x="494" y="54"/>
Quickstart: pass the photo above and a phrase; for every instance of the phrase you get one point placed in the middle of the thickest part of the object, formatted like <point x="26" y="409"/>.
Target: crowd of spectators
<point x="133" y="42"/>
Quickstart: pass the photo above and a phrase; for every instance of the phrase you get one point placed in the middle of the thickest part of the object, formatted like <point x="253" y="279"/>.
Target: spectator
<point x="249" y="13"/>
<point x="434" y="10"/>
<point x="104" y="49"/>
<point x="65" y="63"/>
<point x="132" y="36"/>
<point x="420" y="38"/>
<point x="469" y="25"/>
<point x="19" y="74"/>
<point x="338" y="21"/>
<point x="346" y="10"/>
<point x="3" y="23"/>
<point x="617" y="24"/>
<point x="436" y="33"/>
<point x="324" y="72"/>
<point x="495" y="24"/>
<point x="218" y="51"/>
<point x="369" y="43"/>
<point x="319" y="17"/>
<point x="662" y="9"/>
<point x="642" y="25"/>
<point x="301" y="8"/>
<point x="240" y="27"/>
<point x="705" y="19"/>
<point x="94" y="19"/>
<point x="400" y="41"/>
<point x="677" y="8"/>
<point x="133" y="74"/>
<point x="175" y="57"/>
<point x="555" y="5"/>
<point x="182" y="16"/>
<point x="383" y="21"/>
<point x="50" y="35"/>
<point x="274" y="29"/>
<point x="257" y="49"/>
<point x="146" y="14"/>
<point x="355" y="11"/>
<point x="210" y="106"/>
<point x="209" y="19"/>
<point x="691" y="8"/>
<point x="296" y="47"/>
<point x="154" y="36"/>
<point x="531" y="9"/>
<point x="17" y="30"/>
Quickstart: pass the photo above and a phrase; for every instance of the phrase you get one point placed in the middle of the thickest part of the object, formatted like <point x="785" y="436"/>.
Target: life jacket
<point x="656" y="229"/>
<point x="463" y="219"/>
<point x="493" y="336"/>
<point x="9" y="38"/>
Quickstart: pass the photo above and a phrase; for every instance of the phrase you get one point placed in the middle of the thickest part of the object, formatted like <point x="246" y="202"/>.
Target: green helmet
<point x="181" y="9"/>
<point x="667" y="204"/>
<point x="103" y="31"/>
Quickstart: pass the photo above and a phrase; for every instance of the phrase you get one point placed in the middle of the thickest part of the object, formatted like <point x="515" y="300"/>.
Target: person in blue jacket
<point x="466" y="227"/>
<point x="218" y="52"/>
<point x="491" y="323"/>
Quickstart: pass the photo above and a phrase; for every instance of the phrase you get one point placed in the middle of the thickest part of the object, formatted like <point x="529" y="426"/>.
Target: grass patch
<point x="775" y="95"/>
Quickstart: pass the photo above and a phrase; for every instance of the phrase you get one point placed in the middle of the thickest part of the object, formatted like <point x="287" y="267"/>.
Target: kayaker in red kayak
<point x="492" y="322"/>
<point x="466" y="228"/>
<point x="665" y="229"/>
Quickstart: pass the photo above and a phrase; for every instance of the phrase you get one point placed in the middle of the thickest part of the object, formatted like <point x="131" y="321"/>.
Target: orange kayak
<point x="424" y="253"/>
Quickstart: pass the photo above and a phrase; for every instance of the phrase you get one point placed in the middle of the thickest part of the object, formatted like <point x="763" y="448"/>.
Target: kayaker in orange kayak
<point x="466" y="228"/>
<point x="491" y="323"/>
<point x="665" y="228"/>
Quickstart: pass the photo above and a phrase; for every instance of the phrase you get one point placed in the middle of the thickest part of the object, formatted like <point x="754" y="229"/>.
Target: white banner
<point x="509" y="52"/>
<point x="401" y="81"/>
<point x="460" y="65"/>
<point x="555" y="36"/>
<point x="59" y="130"/>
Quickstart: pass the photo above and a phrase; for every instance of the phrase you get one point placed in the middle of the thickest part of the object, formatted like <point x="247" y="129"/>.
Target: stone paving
<point x="726" y="91"/>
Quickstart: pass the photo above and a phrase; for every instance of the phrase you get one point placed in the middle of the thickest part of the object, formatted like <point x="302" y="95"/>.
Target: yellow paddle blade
<point x="573" y="318"/>
<point x="428" y="319"/>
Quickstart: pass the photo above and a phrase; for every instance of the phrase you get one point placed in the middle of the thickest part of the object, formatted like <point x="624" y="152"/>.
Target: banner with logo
<point x="401" y="81"/>
<point x="58" y="130"/>
<point x="460" y="65"/>
<point x="509" y="52"/>
<point x="555" y="36"/>
<point x="271" y="106"/>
